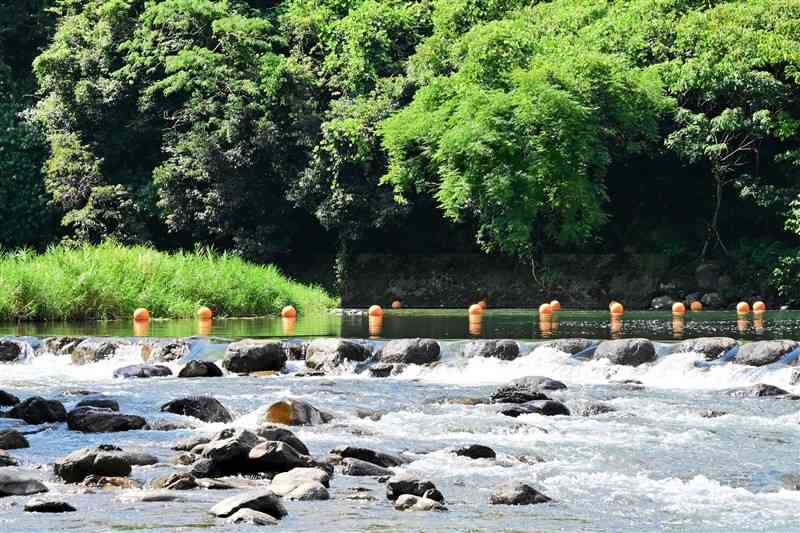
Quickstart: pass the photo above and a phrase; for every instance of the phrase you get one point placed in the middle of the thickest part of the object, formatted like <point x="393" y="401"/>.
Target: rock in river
<point x="286" y="482"/>
<point x="476" y="451"/>
<point x="142" y="371"/>
<point x="570" y="346"/>
<point x="250" y="355"/>
<point x="253" y="518"/>
<point x="103" y="460"/>
<point x="323" y="354"/>
<point x="539" y="407"/>
<point x="48" y="506"/>
<point x="526" y="389"/>
<point x="504" y="349"/>
<point x="516" y="493"/>
<point x="200" y="369"/>
<point x="270" y="432"/>
<point x="296" y="413"/>
<point x="205" y="408"/>
<point x="759" y="390"/>
<point x="276" y="456"/>
<point x="410" y="351"/>
<point x="10" y="350"/>
<point x="37" y="410"/>
<point x="760" y="353"/>
<point x="264" y="501"/>
<point x="177" y="481"/>
<point x="365" y="454"/>
<point x="14" y="484"/>
<point x="7" y="460"/>
<point x="309" y="491"/>
<point x="92" y="350"/>
<point x="102" y="403"/>
<point x="357" y="467"/>
<point x="405" y="483"/>
<point x="97" y="420"/>
<point x="711" y="347"/>
<point x="6" y="398"/>
<point x="11" y="439"/>
<point x="409" y="502"/>
<point x="630" y="352"/>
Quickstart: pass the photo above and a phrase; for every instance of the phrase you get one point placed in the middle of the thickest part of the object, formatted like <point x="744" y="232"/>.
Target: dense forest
<point x="273" y="128"/>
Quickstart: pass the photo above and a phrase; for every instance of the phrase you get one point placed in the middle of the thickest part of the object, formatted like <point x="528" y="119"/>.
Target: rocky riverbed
<point x="406" y="435"/>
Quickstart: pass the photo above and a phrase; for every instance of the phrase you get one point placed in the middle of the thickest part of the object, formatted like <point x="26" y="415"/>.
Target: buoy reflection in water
<point x="475" y="325"/>
<point x="375" y="325"/>
<point x="287" y="324"/>
<point x="678" y="326"/>
<point x="204" y="327"/>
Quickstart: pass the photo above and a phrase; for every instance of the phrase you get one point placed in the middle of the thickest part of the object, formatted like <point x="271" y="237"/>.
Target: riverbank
<point x="109" y="281"/>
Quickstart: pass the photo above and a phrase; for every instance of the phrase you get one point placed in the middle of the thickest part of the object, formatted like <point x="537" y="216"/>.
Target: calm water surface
<point x="654" y="464"/>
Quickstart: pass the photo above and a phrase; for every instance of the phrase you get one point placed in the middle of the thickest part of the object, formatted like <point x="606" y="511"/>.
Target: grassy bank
<point x="111" y="280"/>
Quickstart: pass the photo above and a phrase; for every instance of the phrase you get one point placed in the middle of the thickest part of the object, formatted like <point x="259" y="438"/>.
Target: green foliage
<point x="111" y="280"/>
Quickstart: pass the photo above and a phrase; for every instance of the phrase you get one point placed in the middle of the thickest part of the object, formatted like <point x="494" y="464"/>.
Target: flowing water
<point x="654" y="464"/>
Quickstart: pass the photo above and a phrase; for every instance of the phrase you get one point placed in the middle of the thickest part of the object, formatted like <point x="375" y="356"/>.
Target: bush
<point x="111" y="280"/>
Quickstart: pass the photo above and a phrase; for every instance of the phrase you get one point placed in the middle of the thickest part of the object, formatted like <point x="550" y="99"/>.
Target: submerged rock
<point x="169" y="350"/>
<point x="759" y="390"/>
<point x="93" y="350"/>
<point x="516" y="493"/>
<point x="357" y="467"/>
<point x="711" y="347"/>
<point x="37" y="410"/>
<point x="384" y="370"/>
<point x="142" y="371"/>
<point x="16" y="484"/>
<point x="104" y="482"/>
<point x="365" y="454"/>
<point x="409" y="502"/>
<point x="250" y="355"/>
<point x="61" y="345"/>
<point x="101" y="403"/>
<point x="205" y="408"/>
<point x="476" y="451"/>
<point x="570" y="346"/>
<point x="11" y="439"/>
<point x="324" y="354"/>
<point x="296" y="413"/>
<point x="630" y="352"/>
<point x="760" y="353"/>
<point x="48" y="506"/>
<point x="589" y="408"/>
<point x="97" y="420"/>
<point x="270" y="432"/>
<point x="526" y="389"/>
<point x="264" y="501"/>
<point x="504" y="349"/>
<point x="410" y="351"/>
<point x="177" y="481"/>
<point x="405" y="483"/>
<point x="200" y="369"/>
<point x="6" y="398"/>
<point x="253" y="518"/>
<point x="7" y="460"/>
<point x="104" y="460"/>
<point x="539" y="407"/>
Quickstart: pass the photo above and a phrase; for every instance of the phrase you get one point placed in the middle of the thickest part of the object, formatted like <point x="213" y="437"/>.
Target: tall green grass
<point x="110" y="281"/>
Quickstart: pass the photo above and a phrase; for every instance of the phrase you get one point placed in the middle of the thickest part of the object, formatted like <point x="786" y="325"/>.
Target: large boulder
<point x="286" y="482"/>
<point x="270" y="432"/>
<point x="10" y="351"/>
<point x="6" y="398"/>
<point x="93" y="350"/>
<point x="365" y="454"/>
<point x="710" y="347"/>
<point x="410" y="351"/>
<point x="526" y="389"/>
<point x="11" y="439"/>
<point x="515" y="493"/>
<point x="409" y="502"/>
<point x="104" y="461"/>
<point x="629" y="352"/>
<point x="296" y="413"/>
<point x="37" y="410"/>
<point x="230" y="445"/>
<point x="357" y="467"/>
<point x="205" y="408"/>
<point x="200" y="369"/>
<point x="264" y="501"/>
<point x="324" y="354"/>
<point x="570" y="346"/>
<point x="762" y="353"/>
<point x="142" y="371"/>
<point x="97" y="420"/>
<point x="276" y="456"/>
<point x="250" y="355"/>
<point x="14" y="484"/>
<point x="539" y="407"/>
<point x="504" y="349"/>
<point x="405" y="483"/>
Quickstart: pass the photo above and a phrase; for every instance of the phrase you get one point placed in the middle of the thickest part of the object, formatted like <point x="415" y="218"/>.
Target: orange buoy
<point x="696" y="306"/>
<point x="555" y="305"/>
<point x="288" y="312"/>
<point x="375" y="310"/>
<point x="759" y="307"/>
<point x="545" y="309"/>
<point x="616" y="309"/>
<point x="205" y="313"/>
<point x="141" y="315"/>
<point x="678" y="308"/>
<point x="742" y="308"/>
<point x="396" y="304"/>
<point x="483" y="304"/>
<point x="475" y="309"/>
